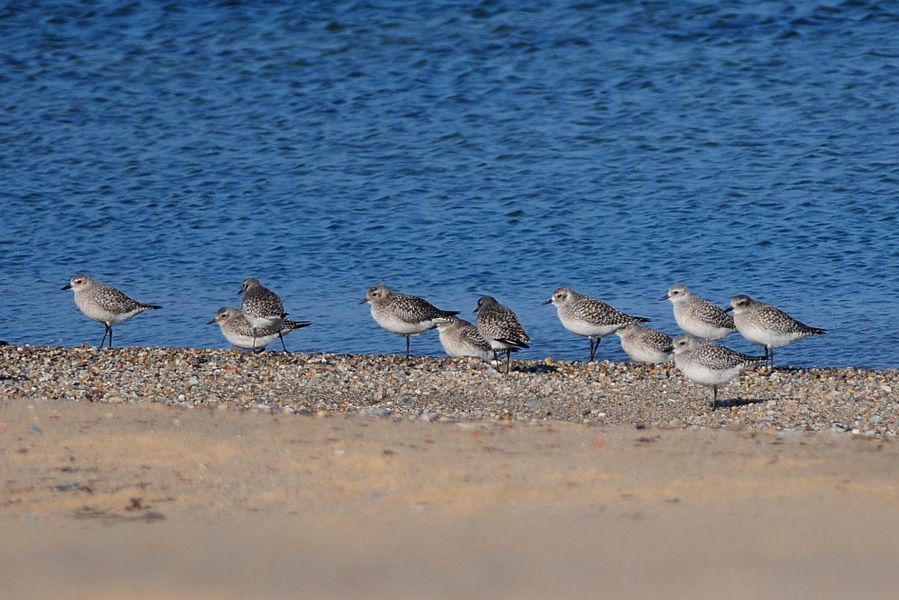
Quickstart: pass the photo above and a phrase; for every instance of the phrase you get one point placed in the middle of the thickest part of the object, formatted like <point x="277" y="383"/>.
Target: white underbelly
<point x="587" y="329"/>
<point x="640" y="353"/>
<point x="246" y="341"/>
<point x="704" y="375"/>
<point x="390" y="323"/>
<point x="455" y="347"/>
<point x="699" y="328"/>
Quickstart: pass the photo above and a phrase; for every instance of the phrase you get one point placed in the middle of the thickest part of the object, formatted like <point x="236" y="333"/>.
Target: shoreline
<point x="850" y="400"/>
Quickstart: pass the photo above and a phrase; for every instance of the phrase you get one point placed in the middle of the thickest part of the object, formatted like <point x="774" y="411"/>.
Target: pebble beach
<point x="852" y="401"/>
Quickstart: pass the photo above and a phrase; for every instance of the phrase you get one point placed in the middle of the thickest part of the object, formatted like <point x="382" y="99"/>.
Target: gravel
<point x="850" y="401"/>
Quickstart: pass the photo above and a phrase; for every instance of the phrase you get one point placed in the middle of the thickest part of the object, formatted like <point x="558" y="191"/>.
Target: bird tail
<point x="288" y="325"/>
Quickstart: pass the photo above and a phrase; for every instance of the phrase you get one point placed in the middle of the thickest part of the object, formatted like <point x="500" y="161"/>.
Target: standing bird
<point x="708" y="363"/>
<point x="697" y="316"/>
<point x="460" y="338"/>
<point x="588" y="316"/>
<point x="404" y="315"/>
<point x="238" y="331"/>
<point x="645" y="345"/>
<point x="500" y="327"/>
<point x="103" y="303"/>
<point x="771" y="327"/>
<point x="262" y="308"/>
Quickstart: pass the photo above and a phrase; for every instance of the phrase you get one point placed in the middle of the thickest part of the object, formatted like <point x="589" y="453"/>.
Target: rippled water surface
<point x="451" y="150"/>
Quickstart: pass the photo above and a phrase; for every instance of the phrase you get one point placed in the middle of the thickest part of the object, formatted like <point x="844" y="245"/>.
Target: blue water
<point x="451" y="150"/>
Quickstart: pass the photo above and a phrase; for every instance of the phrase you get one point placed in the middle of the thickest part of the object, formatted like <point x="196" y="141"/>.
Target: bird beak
<point x="550" y="301"/>
<point x="240" y="292"/>
<point x="665" y="297"/>
<point x="67" y="286"/>
<point x="476" y="309"/>
<point x="728" y="309"/>
<point x="363" y="301"/>
<point x="210" y="322"/>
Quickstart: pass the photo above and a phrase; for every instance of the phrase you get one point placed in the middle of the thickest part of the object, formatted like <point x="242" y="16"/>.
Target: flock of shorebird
<point x="261" y="319"/>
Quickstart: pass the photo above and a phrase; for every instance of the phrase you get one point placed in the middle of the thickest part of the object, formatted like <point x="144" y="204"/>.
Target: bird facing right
<point x="708" y="363"/>
<point x="697" y="316"/>
<point x="764" y="324"/>
<point x="589" y="317"/>
<point x="501" y="328"/>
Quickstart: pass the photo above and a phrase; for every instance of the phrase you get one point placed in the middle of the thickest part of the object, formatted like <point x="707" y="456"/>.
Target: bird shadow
<point x="739" y="402"/>
<point x="537" y="368"/>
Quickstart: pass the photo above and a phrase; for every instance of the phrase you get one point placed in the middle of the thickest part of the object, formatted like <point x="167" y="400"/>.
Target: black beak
<point x="476" y="309"/>
<point x="728" y="309"/>
<point x="550" y="301"/>
<point x="363" y="301"/>
<point x="240" y="292"/>
<point x="67" y="286"/>
<point x="665" y="297"/>
<point x="210" y="322"/>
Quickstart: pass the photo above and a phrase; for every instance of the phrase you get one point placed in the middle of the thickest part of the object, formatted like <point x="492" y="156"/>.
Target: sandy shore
<point x="141" y="493"/>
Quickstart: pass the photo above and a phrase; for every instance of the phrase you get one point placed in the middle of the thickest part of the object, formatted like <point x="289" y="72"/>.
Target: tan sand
<point x="144" y="501"/>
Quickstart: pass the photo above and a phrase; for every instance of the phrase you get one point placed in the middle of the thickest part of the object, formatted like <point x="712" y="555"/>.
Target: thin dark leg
<point x="714" y="397"/>
<point x="283" y="345"/>
<point x="508" y="361"/>
<point x="110" y="336"/>
<point x="770" y="353"/>
<point x="105" y="333"/>
<point x="254" y="339"/>
<point x="594" y="346"/>
<point x="408" y="346"/>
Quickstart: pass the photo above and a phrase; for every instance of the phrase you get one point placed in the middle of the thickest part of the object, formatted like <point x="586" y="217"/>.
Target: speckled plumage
<point x="460" y="338"/>
<point x="500" y="327"/>
<point x="709" y="364"/>
<point x="104" y="303"/>
<point x="589" y="317"/>
<point x="261" y="306"/>
<point x="764" y="324"/>
<point x="697" y="316"/>
<point x="403" y="314"/>
<point x="239" y="332"/>
<point x="644" y="344"/>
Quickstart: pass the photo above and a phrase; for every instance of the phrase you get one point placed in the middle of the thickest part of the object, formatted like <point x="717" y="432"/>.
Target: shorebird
<point x="500" y="327"/>
<point x="697" y="316"/>
<point x="460" y="338"/>
<point x="402" y="314"/>
<point x="588" y="316"/>
<point x="262" y="308"/>
<point x="238" y="331"/>
<point x="708" y="363"/>
<point x="645" y="345"/>
<point x="104" y="303"/>
<point x="764" y="324"/>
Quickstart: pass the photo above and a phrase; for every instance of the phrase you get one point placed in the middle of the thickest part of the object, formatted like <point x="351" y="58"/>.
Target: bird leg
<point x="714" y="397"/>
<point x="107" y="330"/>
<point x="408" y="346"/>
<point x="508" y="361"/>
<point x="283" y="345"/>
<point x="594" y="346"/>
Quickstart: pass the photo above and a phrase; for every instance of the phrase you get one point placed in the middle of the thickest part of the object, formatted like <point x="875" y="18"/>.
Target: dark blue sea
<point x="451" y="149"/>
